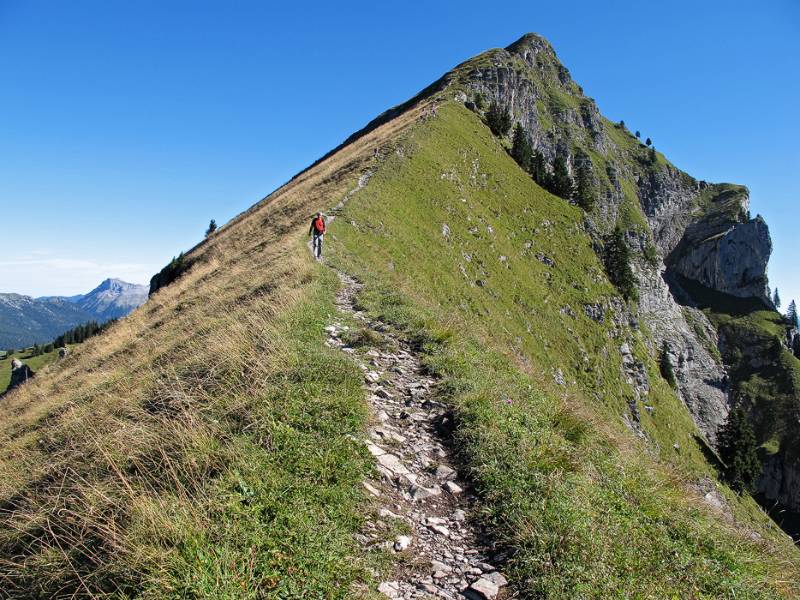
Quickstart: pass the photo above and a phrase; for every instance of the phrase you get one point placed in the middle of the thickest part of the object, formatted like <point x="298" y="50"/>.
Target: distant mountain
<point x="111" y="299"/>
<point x="25" y="320"/>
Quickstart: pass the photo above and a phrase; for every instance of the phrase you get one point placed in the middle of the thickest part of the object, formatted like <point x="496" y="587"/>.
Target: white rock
<point x="444" y="472"/>
<point x="440" y="567"/>
<point x="487" y="589"/>
<point x="440" y="529"/>
<point x="452" y="487"/>
<point x="371" y="489"/>
<point x="392" y="462"/>
<point x="497" y="578"/>
<point x="418" y="492"/>
<point x="401" y="542"/>
<point x="386" y="513"/>
<point x="390" y="589"/>
<point x="375" y="450"/>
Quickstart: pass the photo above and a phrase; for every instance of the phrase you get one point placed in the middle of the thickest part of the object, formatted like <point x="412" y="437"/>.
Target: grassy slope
<point x="34" y="362"/>
<point x="588" y="508"/>
<point x="201" y="447"/>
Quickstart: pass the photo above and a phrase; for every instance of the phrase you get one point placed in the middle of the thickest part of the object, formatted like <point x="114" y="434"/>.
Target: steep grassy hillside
<point x="202" y="447"/>
<point x="207" y="445"/>
<point x="458" y="247"/>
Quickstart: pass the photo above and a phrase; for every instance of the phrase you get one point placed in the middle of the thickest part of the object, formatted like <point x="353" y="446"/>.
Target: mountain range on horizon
<point x="25" y="320"/>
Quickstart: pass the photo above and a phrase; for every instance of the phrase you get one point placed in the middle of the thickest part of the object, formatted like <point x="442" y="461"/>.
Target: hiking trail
<point x="443" y="554"/>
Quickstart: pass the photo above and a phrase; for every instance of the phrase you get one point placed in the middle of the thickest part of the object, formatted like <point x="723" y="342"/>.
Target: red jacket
<point x="317" y="226"/>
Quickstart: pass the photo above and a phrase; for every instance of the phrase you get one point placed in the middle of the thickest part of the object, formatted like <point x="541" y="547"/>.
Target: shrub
<point x="176" y="267"/>
<point x="650" y="254"/>
<point x="665" y="366"/>
<point x="538" y="169"/>
<point x="561" y="183"/>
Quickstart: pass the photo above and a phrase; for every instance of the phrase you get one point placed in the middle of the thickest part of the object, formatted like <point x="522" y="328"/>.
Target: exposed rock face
<point x="667" y="197"/>
<point x="780" y="481"/>
<point x="733" y="261"/>
<point x="702" y="381"/>
<point x="20" y="373"/>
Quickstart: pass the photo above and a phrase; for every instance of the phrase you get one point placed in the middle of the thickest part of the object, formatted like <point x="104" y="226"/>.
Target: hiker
<point x="317" y="229"/>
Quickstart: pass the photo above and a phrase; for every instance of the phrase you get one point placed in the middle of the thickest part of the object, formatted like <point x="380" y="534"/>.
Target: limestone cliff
<point x="695" y="229"/>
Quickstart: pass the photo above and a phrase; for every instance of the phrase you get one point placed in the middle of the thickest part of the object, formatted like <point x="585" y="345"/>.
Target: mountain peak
<point x="530" y="41"/>
<point x="112" y="283"/>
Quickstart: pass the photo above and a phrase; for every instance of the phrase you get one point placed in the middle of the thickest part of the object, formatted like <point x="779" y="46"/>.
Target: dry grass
<point x="114" y="457"/>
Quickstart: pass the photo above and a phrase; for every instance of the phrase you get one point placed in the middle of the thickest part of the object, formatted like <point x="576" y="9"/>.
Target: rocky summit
<point x="536" y="359"/>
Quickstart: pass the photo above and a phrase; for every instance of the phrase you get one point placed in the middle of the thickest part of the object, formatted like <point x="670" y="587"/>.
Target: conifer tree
<point x="738" y="450"/>
<point x="638" y="134"/>
<point x="212" y="227"/>
<point x="617" y="260"/>
<point x="648" y="141"/>
<point x="584" y="183"/>
<point x="538" y="169"/>
<point x="498" y="119"/>
<point x="521" y="150"/>
<point x="776" y="298"/>
<point x="791" y="314"/>
<point x="561" y="183"/>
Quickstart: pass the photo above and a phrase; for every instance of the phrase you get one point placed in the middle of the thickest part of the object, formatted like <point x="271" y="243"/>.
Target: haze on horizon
<point x="127" y="128"/>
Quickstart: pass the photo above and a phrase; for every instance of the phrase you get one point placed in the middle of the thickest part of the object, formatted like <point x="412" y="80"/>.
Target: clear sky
<point x="126" y="126"/>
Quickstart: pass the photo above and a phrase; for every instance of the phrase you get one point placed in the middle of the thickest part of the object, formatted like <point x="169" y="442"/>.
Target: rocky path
<point x="423" y="506"/>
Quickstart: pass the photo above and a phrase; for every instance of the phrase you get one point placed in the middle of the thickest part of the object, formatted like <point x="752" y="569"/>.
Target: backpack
<point x="319" y="225"/>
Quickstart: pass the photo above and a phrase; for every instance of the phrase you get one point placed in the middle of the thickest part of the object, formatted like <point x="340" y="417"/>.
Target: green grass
<point x="589" y="510"/>
<point x="285" y="508"/>
<point x="34" y="362"/>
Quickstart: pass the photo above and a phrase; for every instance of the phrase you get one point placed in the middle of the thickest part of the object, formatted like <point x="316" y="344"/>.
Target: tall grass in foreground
<point x="229" y="471"/>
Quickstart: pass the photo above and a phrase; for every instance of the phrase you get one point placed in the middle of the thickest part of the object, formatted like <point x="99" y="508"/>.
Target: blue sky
<point x="126" y="126"/>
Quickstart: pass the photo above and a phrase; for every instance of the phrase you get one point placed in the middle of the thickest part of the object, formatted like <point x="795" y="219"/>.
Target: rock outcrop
<point x="733" y="262"/>
<point x="20" y="373"/>
<point x="690" y="338"/>
<point x="780" y="481"/>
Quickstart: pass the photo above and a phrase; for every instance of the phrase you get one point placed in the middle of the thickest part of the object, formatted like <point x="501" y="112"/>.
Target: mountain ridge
<point x="25" y="320"/>
<point x="221" y="440"/>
